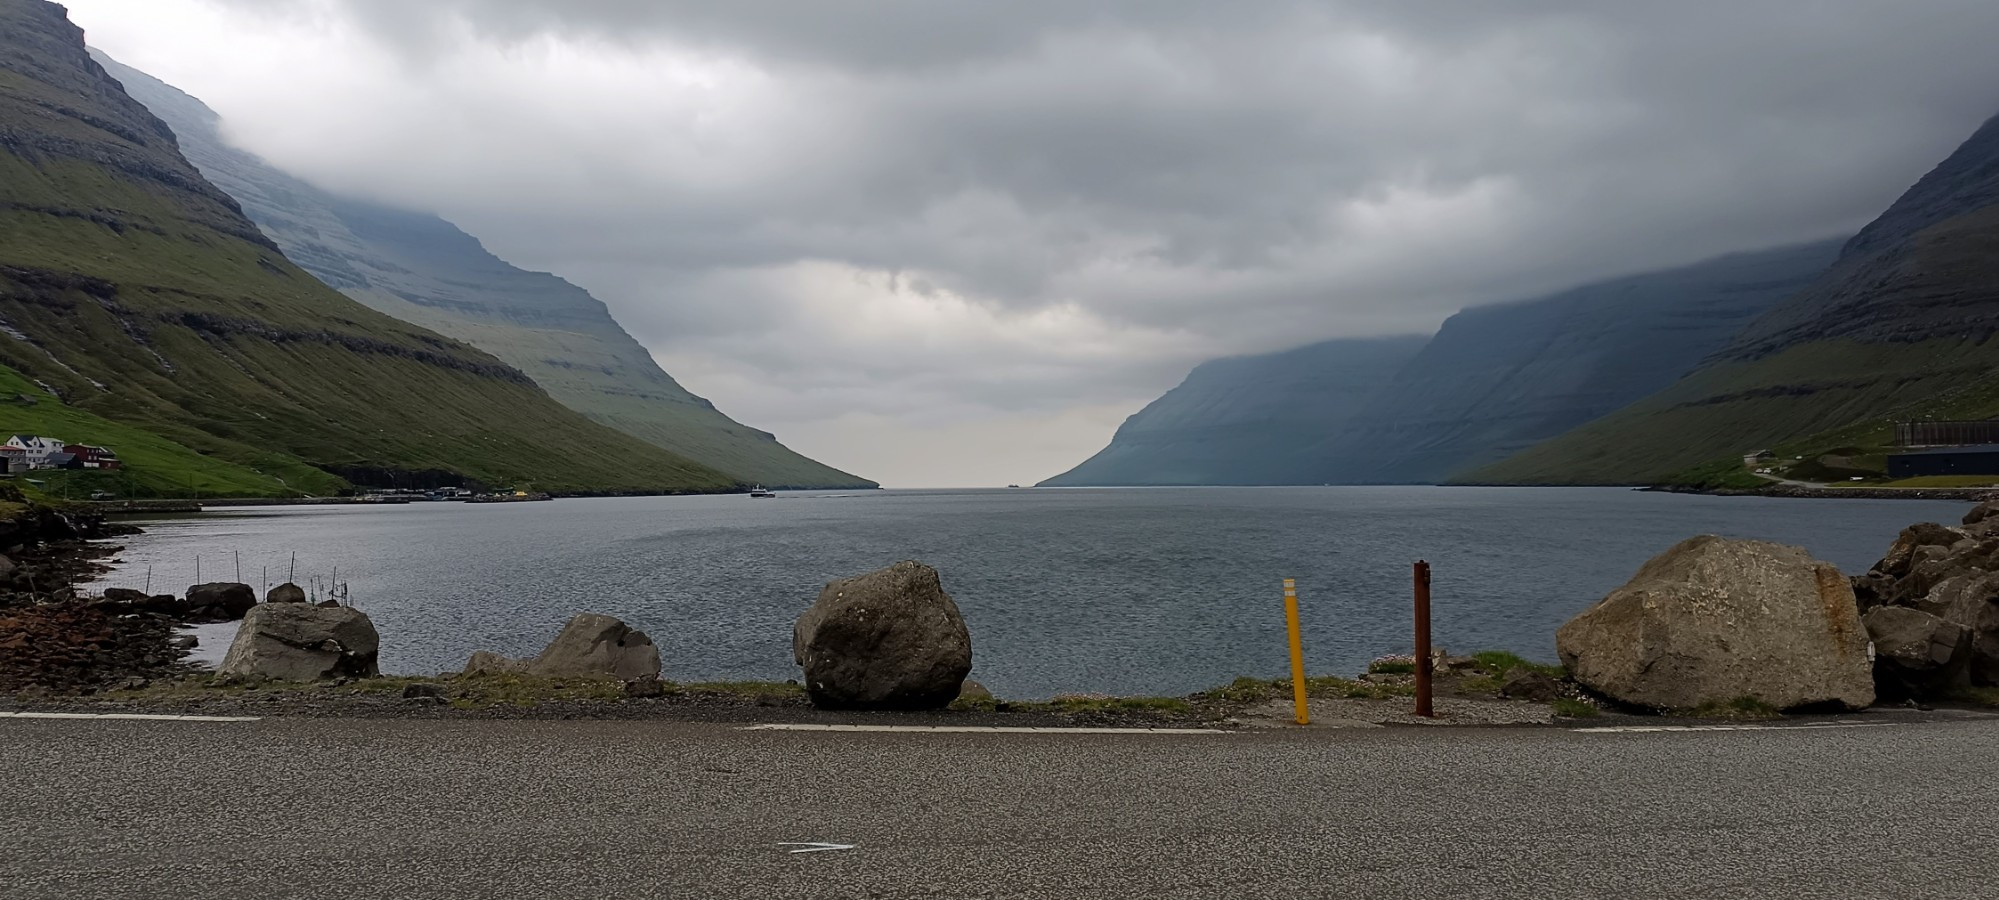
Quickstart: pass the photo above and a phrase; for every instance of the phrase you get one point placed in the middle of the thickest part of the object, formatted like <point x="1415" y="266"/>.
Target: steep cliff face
<point x="1248" y="420"/>
<point x="1499" y="379"/>
<point x="422" y="269"/>
<point x="1901" y="326"/>
<point x="135" y="290"/>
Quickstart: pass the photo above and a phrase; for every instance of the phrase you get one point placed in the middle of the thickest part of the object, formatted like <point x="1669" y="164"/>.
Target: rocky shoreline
<point x="1968" y="495"/>
<point x="51" y="637"/>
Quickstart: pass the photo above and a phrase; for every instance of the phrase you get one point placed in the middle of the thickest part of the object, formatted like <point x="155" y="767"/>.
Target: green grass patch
<point x="1944" y="481"/>
<point x="1391" y="667"/>
<point x="1074" y="705"/>
<point x="1479" y="684"/>
<point x="1569" y="708"/>
<point x="1501" y="663"/>
<point x="1978" y="696"/>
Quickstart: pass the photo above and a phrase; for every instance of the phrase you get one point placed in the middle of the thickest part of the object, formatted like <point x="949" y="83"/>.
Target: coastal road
<point x="322" y="808"/>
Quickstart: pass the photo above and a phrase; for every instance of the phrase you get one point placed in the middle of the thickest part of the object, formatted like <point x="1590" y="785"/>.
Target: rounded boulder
<point x="890" y="639"/>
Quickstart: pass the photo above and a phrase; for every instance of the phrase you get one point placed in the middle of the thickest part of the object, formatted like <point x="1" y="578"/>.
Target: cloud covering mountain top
<point x="954" y="243"/>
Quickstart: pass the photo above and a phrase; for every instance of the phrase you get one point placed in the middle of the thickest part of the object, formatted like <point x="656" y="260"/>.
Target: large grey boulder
<point x="219" y="601"/>
<point x="890" y="639"/>
<point x="1917" y="654"/>
<point x="302" y="642"/>
<point x="595" y="646"/>
<point x="1713" y="620"/>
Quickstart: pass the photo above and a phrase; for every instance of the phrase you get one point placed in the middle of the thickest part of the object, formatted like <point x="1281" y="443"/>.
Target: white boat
<point x="759" y="493"/>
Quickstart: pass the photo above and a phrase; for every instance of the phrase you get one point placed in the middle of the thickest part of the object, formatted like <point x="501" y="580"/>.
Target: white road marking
<point x="1639" y="729"/>
<point x="804" y="847"/>
<point x="144" y="717"/>
<point x="976" y="729"/>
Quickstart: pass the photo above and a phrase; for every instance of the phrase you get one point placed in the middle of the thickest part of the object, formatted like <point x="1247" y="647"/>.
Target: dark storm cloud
<point x="946" y="207"/>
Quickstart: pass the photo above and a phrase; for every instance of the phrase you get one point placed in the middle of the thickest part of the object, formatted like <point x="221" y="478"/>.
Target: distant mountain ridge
<point x="1499" y="379"/>
<point x="1902" y="326"/>
<point x="1493" y="381"/>
<point x="422" y="269"/>
<point x="1247" y="420"/>
<point x="136" y="294"/>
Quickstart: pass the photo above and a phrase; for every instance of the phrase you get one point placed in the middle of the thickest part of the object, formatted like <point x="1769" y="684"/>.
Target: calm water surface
<point x="1141" y="591"/>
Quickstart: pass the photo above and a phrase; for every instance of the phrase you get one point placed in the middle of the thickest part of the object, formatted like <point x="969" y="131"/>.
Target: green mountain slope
<point x="1499" y="379"/>
<point x="1901" y="327"/>
<point x="153" y="465"/>
<point x="424" y="270"/>
<point x="136" y="291"/>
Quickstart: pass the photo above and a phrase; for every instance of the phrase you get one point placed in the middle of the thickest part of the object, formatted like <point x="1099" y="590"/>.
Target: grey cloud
<point x="1193" y="178"/>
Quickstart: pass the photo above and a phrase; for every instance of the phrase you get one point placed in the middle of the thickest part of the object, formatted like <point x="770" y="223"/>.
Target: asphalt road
<point x="390" y="809"/>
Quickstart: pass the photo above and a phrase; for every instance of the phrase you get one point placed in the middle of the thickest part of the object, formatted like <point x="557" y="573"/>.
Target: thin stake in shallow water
<point x="239" y="567"/>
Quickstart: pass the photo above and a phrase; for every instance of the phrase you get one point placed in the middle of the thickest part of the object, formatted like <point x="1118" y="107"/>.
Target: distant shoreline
<point x="1973" y="495"/>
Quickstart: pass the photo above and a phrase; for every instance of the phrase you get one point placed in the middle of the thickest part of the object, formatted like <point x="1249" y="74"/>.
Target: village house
<point x="91" y="456"/>
<point x="24" y="452"/>
<point x="34" y="450"/>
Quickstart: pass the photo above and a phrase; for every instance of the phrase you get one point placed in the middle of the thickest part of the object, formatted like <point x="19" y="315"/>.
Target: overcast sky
<point x="949" y="243"/>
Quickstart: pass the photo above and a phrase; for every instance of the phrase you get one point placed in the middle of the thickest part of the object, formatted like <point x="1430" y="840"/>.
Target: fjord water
<point x="1132" y="591"/>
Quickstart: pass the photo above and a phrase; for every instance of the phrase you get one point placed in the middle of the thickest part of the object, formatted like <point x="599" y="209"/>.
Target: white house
<point x="35" y="450"/>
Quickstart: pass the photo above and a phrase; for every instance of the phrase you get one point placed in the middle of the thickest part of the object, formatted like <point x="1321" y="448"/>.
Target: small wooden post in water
<point x="1423" y="664"/>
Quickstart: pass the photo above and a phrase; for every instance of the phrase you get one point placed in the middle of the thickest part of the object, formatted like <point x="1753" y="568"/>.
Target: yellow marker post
<point x="1297" y="651"/>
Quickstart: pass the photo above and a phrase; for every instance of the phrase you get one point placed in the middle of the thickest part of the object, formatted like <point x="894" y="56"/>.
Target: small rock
<point x="329" y="604"/>
<point x="220" y="601"/>
<point x="421" y="690"/>
<point x="286" y="593"/>
<point x="1526" y="684"/>
<point x="972" y="690"/>
<point x="183" y="642"/>
<point x="1981" y="512"/>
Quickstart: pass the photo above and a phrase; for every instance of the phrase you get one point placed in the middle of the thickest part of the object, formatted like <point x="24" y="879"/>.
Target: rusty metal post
<point x="1423" y="640"/>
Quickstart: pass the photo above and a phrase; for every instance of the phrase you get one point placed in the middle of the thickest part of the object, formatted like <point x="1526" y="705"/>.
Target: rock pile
<point x="71" y="647"/>
<point x="205" y="603"/>
<point x="1713" y="621"/>
<point x="890" y="639"/>
<point x="590" y="646"/>
<point x="1932" y="607"/>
